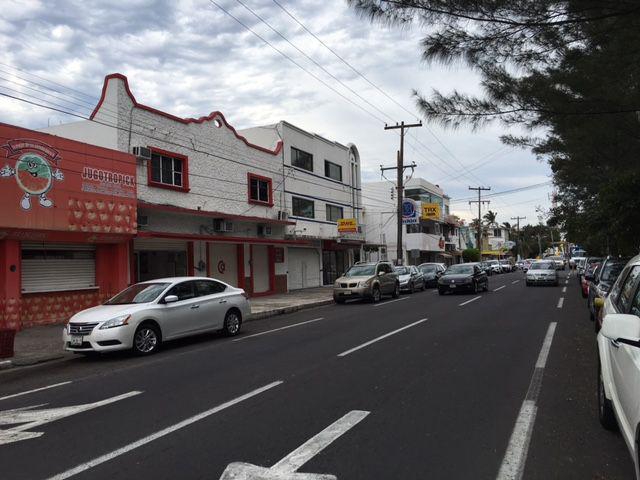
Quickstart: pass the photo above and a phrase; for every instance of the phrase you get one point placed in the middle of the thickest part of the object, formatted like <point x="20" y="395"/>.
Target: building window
<point x="260" y="189"/>
<point x="334" y="213"/>
<point x="496" y="232"/>
<point x="302" y="207"/>
<point x="332" y="170"/>
<point x="168" y="170"/>
<point x="301" y="159"/>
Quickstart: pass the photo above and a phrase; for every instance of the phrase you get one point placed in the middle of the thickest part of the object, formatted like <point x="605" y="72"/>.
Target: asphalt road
<point x="491" y="386"/>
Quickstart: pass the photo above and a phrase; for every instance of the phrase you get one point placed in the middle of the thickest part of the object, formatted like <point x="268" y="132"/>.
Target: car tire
<point x="441" y="291"/>
<point x="606" y="415"/>
<point x="232" y="323"/>
<point x="375" y="294"/>
<point x="475" y="287"/>
<point x="486" y="286"/>
<point x="147" y="339"/>
<point x="424" y="286"/>
<point x="396" y="291"/>
<point x="339" y="300"/>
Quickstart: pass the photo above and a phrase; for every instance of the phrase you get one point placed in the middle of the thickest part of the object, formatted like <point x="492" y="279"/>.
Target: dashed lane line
<point x="499" y="288"/>
<point x="391" y="301"/>
<point x="381" y="337"/>
<point x="560" y="302"/>
<point x="35" y="390"/>
<point x="514" y="282"/>
<point x="278" y="329"/>
<point x="469" y="301"/>
<point x="564" y="289"/>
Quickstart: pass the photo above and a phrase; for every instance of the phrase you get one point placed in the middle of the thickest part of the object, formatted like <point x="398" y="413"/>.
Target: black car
<point x="605" y="277"/>
<point x="486" y="267"/>
<point x="465" y="277"/>
<point x="431" y="273"/>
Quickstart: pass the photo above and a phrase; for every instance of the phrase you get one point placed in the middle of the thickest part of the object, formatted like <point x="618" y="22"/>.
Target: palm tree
<point x="490" y="218"/>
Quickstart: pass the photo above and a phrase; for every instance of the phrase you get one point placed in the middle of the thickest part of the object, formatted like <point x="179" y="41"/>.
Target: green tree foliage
<point x="471" y="255"/>
<point x="490" y="218"/>
<point x="566" y="71"/>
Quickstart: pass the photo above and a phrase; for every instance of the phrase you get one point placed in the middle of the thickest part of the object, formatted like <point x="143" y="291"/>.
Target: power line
<point x="505" y="192"/>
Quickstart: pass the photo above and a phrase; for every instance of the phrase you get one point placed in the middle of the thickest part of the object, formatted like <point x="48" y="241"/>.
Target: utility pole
<point x="400" y="167"/>
<point x="517" y="219"/>
<point x="480" y="202"/>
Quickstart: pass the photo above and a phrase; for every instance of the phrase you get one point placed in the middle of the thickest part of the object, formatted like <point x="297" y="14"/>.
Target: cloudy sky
<point x="190" y="58"/>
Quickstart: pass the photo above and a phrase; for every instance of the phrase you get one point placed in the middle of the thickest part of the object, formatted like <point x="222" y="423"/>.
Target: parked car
<point x="619" y="359"/>
<point x="506" y="265"/>
<point x="588" y="276"/>
<point x="431" y="273"/>
<point x="495" y="266"/>
<point x="146" y="314"/>
<point x="574" y="261"/>
<point x="527" y="264"/>
<point x="583" y="265"/>
<point x="368" y="280"/>
<point x="410" y="278"/>
<point x="558" y="261"/>
<point x="520" y="265"/>
<point x="606" y="276"/>
<point x="542" y="272"/>
<point x="463" y="276"/>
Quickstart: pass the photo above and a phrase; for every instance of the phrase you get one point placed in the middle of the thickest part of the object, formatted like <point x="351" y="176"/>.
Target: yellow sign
<point x="431" y="211"/>
<point x="347" y="225"/>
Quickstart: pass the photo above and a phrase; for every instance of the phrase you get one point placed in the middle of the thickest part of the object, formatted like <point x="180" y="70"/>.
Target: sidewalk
<point x="42" y="344"/>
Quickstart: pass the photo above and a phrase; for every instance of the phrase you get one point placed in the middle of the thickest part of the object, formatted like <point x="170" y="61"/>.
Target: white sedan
<point x="619" y="359"/>
<point x="146" y="314"/>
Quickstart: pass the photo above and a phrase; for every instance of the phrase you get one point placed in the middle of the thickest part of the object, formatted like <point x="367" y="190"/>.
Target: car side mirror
<point x="619" y="326"/>
<point x="170" y="298"/>
<point x="598" y="302"/>
<point x="588" y="277"/>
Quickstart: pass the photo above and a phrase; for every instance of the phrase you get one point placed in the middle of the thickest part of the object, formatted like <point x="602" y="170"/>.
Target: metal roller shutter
<point x="51" y="267"/>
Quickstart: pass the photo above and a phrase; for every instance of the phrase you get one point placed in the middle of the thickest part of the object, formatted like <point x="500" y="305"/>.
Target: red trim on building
<point x="212" y="116"/>
<point x="190" y="269"/>
<point x="272" y="268"/>
<point x="252" y="176"/>
<point x="212" y="214"/>
<point x="251" y="271"/>
<point x="133" y="264"/>
<point x="215" y="238"/>
<point x="240" y="260"/>
<point x="208" y="259"/>
<point x="185" y="171"/>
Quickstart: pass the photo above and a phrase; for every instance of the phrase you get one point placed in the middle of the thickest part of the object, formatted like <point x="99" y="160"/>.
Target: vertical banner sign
<point x="431" y="211"/>
<point x="409" y="212"/>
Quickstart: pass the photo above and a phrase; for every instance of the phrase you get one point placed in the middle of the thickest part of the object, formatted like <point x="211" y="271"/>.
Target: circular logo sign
<point x="221" y="266"/>
<point x="33" y="174"/>
<point x="408" y="208"/>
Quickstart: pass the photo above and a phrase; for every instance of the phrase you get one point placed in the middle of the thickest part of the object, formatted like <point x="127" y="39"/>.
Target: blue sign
<point x="409" y="212"/>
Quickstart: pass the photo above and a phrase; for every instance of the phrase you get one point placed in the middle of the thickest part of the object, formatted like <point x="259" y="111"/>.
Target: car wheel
<point x="375" y="294"/>
<point x="424" y="286"/>
<point x="441" y="291"/>
<point x="146" y="340"/>
<point x="339" y="300"/>
<point x="232" y="323"/>
<point x="528" y="284"/>
<point x="475" y="287"/>
<point x="396" y="291"/>
<point x="412" y="289"/>
<point x="486" y="286"/>
<point x="605" y="408"/>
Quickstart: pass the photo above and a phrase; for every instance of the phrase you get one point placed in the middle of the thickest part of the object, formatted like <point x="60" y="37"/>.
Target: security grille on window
<point x="167" y="170"/>
<point x="334" y="213"/>
<point x="332" y="170"/>
<point x="301" y="159"/>
<point x="302" y="207"/>
<point x="259" y="190"/>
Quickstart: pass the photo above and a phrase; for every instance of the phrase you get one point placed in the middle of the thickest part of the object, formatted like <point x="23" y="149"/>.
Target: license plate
<point x="76" y="341"/>
<point x="452" y="286"/>
<point x="347" y="292"/>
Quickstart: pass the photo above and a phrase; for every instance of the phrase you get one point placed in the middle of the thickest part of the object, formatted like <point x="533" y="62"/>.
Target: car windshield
<point x="402" y="270"/>
<point x="611" y="271"/>
<point x="459" y="269"/>
<point x="505" y="262"/>
<point x="428" y="268"/>
<point x="542" y="266"/>
<point x="138" y="293"/>
<point x="361" y="271"/>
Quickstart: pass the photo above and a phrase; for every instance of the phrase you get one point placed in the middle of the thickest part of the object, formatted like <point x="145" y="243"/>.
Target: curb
<point x="33" y="361"/>
<point x="284" y="310"/>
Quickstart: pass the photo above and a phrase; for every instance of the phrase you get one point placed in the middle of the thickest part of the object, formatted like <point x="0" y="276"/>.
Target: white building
<point x="429" y="240"/>
<point x="321" y="185"/>
<point x="210" y="202"/>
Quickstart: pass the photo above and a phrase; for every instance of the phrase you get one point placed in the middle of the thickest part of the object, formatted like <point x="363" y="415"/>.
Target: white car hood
<point x="102" y="313"/>
<point x="540" y="272"/>
<point x="404" y="278"/>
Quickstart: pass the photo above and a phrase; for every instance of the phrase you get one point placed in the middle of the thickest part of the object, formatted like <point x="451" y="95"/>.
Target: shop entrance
<point x="159" y="264"/>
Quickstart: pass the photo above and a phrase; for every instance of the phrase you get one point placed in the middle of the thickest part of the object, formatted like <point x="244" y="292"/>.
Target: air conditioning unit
<point x="283" y="215"/>
<point x="222" y="225"/>
<point x="142" y="153"/>
<point x="143" y="222"/>
<point x="264" y="230"/>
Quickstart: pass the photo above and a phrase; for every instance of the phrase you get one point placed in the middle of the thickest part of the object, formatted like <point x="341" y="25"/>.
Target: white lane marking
<point x="381" y="337"/>
<point x="35" y="390"/>
<point x="28" y="418"/>
<point x="514" y="282"/>
<point x="515" y="457"/>
<point x="499" y="288"/>
<point x="391" y="301"/>
<point x="564" y="289"/>
<point x="165" y="431"/>
<point x="469" y="301"/>
<point x="278" y="329"/>
<point x="566" y="281"/>
<point x="287" y="467"/>
<point x="560" y="302"/>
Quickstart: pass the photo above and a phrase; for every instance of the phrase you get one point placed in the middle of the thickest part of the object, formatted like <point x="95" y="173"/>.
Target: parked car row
<point x="612" y="288"/>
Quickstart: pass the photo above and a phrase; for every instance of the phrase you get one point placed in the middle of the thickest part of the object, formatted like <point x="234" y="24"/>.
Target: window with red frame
<point x="260" y="190"/>
<point x="168" y="170"/>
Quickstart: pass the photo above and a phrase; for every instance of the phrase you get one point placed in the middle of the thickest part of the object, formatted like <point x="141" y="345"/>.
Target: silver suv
<point x="367" y="280"/>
